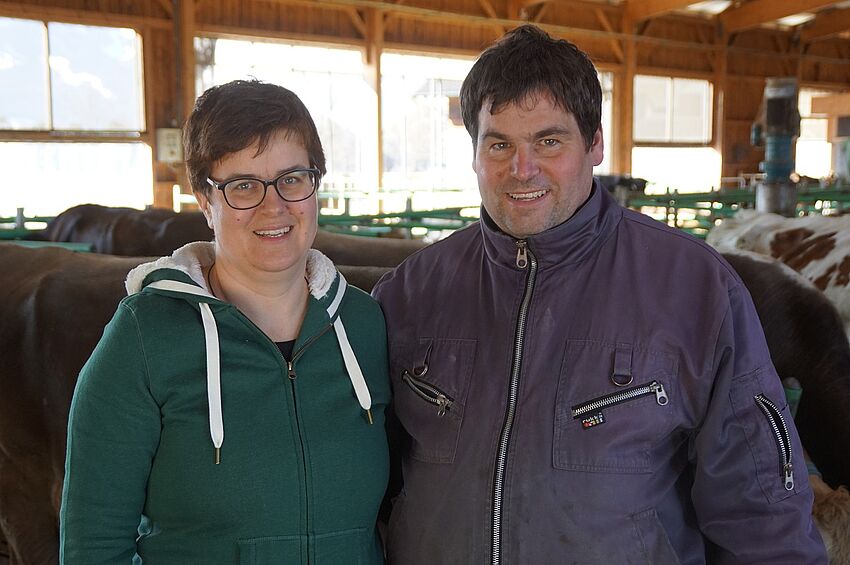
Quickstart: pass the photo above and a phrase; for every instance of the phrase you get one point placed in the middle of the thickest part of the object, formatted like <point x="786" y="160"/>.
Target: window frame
<point x="712" y="108"/>
<point x="143" y="135"/>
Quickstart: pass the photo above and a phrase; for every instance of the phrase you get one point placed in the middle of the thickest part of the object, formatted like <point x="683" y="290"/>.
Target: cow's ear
<point x="204" y="205"/>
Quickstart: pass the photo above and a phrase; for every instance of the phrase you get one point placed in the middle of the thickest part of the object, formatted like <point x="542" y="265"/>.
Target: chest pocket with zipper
<point x="614" y="401"/>
<point x="430" y="384"/>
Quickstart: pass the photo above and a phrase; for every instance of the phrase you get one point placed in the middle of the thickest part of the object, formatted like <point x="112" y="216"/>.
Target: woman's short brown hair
<point x="233" y="116"/>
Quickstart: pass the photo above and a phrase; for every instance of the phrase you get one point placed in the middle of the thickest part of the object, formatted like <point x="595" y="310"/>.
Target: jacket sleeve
<point x="113" y="432"/>
<point x="746" y="507"/>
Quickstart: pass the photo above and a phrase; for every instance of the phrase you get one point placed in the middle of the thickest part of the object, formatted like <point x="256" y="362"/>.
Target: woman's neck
<point x="277" y="305"/>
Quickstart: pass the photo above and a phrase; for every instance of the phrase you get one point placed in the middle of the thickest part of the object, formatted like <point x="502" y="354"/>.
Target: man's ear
<point x="204" y="205"/>
<point x="597" y="147"/>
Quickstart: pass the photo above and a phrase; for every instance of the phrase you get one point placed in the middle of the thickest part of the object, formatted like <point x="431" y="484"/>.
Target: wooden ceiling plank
<point x="86" y="17"/>
<point x="757" y="12"/>
<point x="825" y="25"/>
<point x="638" y="10"/>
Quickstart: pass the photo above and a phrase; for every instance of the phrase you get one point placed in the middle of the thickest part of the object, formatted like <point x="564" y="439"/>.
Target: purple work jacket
<point x="598" y="393"/>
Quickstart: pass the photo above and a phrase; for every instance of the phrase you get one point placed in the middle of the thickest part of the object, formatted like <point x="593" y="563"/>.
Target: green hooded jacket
<point x="192" y="441"/>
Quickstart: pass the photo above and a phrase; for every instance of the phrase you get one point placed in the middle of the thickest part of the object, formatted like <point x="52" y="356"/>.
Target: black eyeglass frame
<point x="315" y="173"/>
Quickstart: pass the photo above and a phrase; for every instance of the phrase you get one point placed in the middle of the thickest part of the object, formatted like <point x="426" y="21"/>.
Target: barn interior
<point x="711" y="109"/>
<point x="95" y="93"/>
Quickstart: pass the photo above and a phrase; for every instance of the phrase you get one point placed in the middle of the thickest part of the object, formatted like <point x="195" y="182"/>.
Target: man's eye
<point x="501" y="146"/>
<point x="551" y="142"/>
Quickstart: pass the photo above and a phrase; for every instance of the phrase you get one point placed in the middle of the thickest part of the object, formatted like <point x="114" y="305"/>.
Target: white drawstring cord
<point x="352" y="367"/>
<point x="213" y="359"/>
<point x="213" y="380"/>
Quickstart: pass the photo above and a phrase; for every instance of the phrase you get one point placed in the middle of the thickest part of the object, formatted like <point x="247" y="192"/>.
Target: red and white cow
<point x="817" y="247"/>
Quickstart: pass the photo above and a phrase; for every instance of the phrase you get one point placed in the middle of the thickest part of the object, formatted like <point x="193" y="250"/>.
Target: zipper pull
<point x="442" y="405"/>
<point x="291" y="368"/>
<point x="789" y="476"/>
<point x="521" y="254"/>
<point x="660" y="393"/>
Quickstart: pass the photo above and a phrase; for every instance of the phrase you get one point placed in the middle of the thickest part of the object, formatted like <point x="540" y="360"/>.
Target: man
<point x="578" y="383"/>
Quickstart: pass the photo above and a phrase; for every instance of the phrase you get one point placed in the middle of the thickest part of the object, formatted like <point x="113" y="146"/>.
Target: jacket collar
<point x="567" y="243"/>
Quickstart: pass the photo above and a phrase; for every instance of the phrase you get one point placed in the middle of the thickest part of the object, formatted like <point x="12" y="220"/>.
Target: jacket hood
<point x="181" y="276"/>
<point x="193" y="259"/>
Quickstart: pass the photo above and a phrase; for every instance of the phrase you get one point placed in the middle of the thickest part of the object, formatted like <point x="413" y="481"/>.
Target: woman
<point x="234" y="410"/>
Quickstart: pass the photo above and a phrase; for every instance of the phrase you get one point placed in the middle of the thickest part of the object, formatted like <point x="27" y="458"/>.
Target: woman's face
<point x="274" y="237"/>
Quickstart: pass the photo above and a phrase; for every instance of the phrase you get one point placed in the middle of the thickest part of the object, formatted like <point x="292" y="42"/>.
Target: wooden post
<point x="372" y="54"/>
<point x="624" y="102"/>
<point x="184" y="32"/>
<point x="721" y="72"/>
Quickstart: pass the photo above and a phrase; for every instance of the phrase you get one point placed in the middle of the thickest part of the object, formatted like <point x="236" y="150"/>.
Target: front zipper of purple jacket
<point x="525" y="258"/>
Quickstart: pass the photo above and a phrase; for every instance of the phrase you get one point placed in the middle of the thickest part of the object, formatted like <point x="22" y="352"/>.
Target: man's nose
<point x="524" y="164"/>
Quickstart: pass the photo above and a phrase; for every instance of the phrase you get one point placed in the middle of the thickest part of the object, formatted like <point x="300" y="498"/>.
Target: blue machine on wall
<point x="776" y="128"/>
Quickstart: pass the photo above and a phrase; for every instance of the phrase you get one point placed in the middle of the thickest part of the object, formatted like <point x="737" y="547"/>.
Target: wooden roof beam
<point x="491" y="12"/>
<point x="357" y="21"/>
<point x="638" y="10"/>
<point x="826" y="24"/>
<point x="757" y="12"/>
<point x="166" y="7"/>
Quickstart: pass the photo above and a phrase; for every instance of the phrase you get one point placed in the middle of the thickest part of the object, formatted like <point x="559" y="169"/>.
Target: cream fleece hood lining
<point x="192" y="259"/>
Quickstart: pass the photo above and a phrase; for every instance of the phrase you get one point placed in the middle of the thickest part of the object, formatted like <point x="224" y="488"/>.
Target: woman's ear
<point x="204" y="205"/>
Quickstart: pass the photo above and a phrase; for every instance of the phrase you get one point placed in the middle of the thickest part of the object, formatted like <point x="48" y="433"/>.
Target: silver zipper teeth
<point x="440" y="399"/>
<point x="498" y="483"/>
<point x="782" y="436"/>
<point x="615" y="398"/>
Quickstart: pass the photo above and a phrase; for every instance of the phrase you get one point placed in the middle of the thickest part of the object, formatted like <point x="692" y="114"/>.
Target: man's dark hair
<point x="527" y="62"/>
<point x="233" y="116"/>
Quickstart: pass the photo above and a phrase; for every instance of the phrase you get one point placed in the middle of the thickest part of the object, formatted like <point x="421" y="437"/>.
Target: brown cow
<point x="56" y="304"/>
<point x="131" y="232"/>
<point x="806" y="339"/>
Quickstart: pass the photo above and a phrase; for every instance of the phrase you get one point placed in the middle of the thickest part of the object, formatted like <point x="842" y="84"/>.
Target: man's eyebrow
<point x="493" y="133"/>
<point x="556" y="130"/>
<point x="547" y="132"/>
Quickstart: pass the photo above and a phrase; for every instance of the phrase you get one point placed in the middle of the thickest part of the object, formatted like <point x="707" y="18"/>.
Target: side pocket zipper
<point x="428" y="393"/>
<point x="780" y="434"/>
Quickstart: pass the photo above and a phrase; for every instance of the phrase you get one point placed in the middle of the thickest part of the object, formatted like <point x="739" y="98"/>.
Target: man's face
<point x="534" y="170"/>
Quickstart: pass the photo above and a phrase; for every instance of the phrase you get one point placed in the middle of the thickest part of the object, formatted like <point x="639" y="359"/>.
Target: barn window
<point x="72" y="120"/>
<point x="672" y="110"/>
<point x="68" y="77"/>
<point x="427" y="151"/>
<point x="814" y="151"/>
<point x="672" y="132"/>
